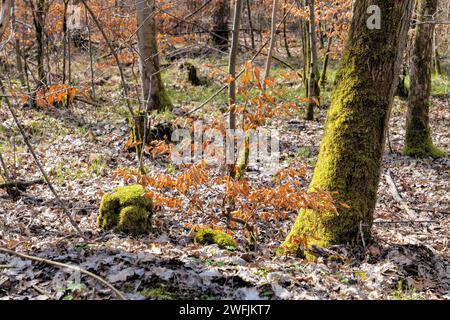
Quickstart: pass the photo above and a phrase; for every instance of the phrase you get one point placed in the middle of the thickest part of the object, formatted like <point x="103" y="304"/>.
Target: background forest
<point x="95" y="93"/>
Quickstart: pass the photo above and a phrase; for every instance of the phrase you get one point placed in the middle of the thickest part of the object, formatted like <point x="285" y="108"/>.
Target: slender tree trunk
<point x="437" y="62"/>
<point x="64" y="27"/>
<point x="304" y="27"/>
<point x="69" y="57"/>
<point x="91" y="56"/>
<point x="154" y="94"/>
<point x="285" y="36"/>
<point x="321" y="37"/>
<point x="313" y="79"/>
<point x="220" y="24"/>
<point x="250" y="24"/>
<point x="351" y="151"/>
<point x="39" y="18"/>
<point x="323" y="76"/>
<point x="304" y="41"/>
<point x="19" y="63"/>
<point x="232" y="60"/>
<point x="273" y="37"/>
<point x="418" y="142"/>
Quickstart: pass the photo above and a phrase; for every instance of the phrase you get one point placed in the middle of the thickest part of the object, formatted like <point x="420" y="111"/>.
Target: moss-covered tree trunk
<point x="154" y="94"/>
<point x="418" y="142"/>
<point x="351" y="151"/>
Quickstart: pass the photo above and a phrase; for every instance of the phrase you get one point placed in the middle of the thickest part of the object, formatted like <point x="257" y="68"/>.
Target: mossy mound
<point x="158" y="294"/>
<point x="212" y="236"/>
<point x="126" y="210"/>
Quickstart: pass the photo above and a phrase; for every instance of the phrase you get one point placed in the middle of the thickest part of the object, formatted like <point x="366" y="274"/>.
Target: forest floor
<point x="82" y="148"/>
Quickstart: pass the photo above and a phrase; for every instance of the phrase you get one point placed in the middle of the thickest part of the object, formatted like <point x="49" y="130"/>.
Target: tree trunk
<point x="5" y="14"/>
<point x="273" y="36"/>
<point x="250" y="24"/>
<point x="437" y="63"/>
<point x="351" y="151"/>
<point x="220" y="24"/>
<point x="17" y="49"/>
<point x="38" y="19"/>
<point x="304" y="41"/>
<point x="232" y="61"/>
<point x="285" y="36"/>
<point x="323" y="76"/>
<point x="418" y="142"/>
<point x="313" y="79"/>
<point x="436" y="58"/>
<point x="64" y="29"/>
<point x="153" y="92"/>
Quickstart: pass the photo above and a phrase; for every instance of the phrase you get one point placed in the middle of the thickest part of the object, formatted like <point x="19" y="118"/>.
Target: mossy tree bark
<point x="418" y="142"/>
<point x="154" y="94"/>
<point x="351" y="151"/>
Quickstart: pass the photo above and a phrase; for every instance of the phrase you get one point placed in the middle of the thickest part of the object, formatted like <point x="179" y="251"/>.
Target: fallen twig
<point x="64" y="265"/>
<point x="396" y="195"/>
<point x="432" y="210"/>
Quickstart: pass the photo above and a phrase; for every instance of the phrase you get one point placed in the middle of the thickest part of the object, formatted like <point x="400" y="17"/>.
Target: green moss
<point x="164" y="101"/>
<point x="137" y="126"/>
<point x="126" y="210"/>
<point x="423" y="151"/>
<point x="211" y="236"/>
<point x="243" y="161"/>
<point x="350" y="154"/>
<point x="158" y="294"/>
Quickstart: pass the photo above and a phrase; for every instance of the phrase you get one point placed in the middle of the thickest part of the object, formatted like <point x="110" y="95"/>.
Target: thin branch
<point x="243" y="70"/>
<point x="68" y="266"/>
<point x="39" y="165"/>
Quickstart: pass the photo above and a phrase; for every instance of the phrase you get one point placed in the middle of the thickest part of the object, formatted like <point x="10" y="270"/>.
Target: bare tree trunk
<point x="273" y="37"/>
<point x="323" y="76"/>
<point x="91" y="56"/>
<point x="418" y="142"/>
<point x="285" y="36"/>
<point x="5" y="14"/>
<point x="305" y="48"/>
<point x="154" y="94"/>
<point x="232" y="60"/>
<point x="19" y="63"/>
<point x="313" y="79"/>
<point x="436" y="57"/>
<point x="39" y="20"/>
<point x="250" y="24"/>
<point x="69" y="56"/>
<point x="220" y="24"/>
<point x="64" y="26"/>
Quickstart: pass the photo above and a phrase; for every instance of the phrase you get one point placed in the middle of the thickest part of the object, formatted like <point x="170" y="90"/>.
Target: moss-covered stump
<point x="127" y="210"/>
<point x="212" y="236"/>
